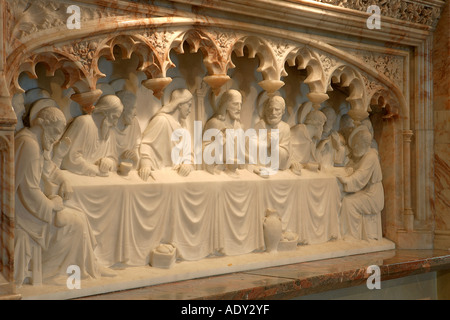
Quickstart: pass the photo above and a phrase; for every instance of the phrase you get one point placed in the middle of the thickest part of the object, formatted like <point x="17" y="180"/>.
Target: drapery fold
<point x="202" y="214"/>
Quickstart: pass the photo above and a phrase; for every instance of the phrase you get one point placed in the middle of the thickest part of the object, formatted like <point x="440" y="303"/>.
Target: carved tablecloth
<point x="202" y="214"/>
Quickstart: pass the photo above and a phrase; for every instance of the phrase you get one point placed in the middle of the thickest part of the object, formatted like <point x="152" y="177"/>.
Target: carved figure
<point x="360" y="215"/>
<point x="128" y="132"/>
<point x="331" y="149"/>
<point x="273" y="110"/>
<point x="93" y="150"/>
<point x="304" y="139"/>
<point x="157" y="145"/>
<point x="369" y="126"/>
<point x="346" y="126"/>
<point x="46" y="229"/>
<point x="227" y="116"/>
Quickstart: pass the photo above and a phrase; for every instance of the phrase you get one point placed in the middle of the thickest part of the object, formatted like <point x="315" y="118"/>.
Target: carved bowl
<point x="288" y="244"/>
<point x="164" y="260"/>
<point x="125" y="168"/>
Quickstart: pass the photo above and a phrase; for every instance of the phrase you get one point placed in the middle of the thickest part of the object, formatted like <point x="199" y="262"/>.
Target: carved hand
<point x="335" y="141"/>
<point x="144" y="173"/>
<point x="65" y="190"/>
<point x="184" y="170"/>
<point x="105" y="165"/>
<point x="296" y="168"/>
<point x="343" y="180"/>
<point x="63" y="146"/>
<point x="349" y="171"/>
<point x="61" y="219"/>
<point x="130" y="155"/>
<point x="57" y="203"/>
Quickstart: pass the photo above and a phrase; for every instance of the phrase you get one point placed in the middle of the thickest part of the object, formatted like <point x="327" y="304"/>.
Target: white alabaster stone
<point x="137" y="277"/>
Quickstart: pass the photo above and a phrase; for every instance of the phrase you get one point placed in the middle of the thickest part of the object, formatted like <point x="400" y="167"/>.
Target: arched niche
<point x="305" y="59"/>
<point x="385" y="117"/>
<point x="350" y="80"/>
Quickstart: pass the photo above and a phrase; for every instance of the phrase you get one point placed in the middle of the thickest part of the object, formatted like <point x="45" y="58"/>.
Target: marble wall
<point x="441" y="70"/>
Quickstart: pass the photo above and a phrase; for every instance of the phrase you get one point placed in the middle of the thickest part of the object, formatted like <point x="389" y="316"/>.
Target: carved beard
<point x="104" y="130"/>
<point x="47" y="143"/>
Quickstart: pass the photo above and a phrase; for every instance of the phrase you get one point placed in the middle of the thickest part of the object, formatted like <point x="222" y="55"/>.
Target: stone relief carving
<point x="26" y="18"/>
<point x="157" y="143"/>
<point x="84" y="52"/>
<point x="93" y="148"/>
<point x="389" y="65"/>
<point x="226" y="116"/>
<point x="362" y="205"/>
<point x="44" y="225"/>
<point x="271" y="118"/>
<point x="305" y="137"/>
<point x="96" y="143"/>
<point x="397" y="9"/>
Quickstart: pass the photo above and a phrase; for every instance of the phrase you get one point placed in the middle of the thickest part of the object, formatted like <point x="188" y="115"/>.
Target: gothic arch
<point x="347" y="77"/>
<point x="304" y="58"/>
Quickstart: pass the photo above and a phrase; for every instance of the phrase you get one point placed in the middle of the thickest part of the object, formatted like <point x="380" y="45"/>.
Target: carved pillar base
<point x="317" y="98"/>
<point x="416" y="239"/>
<point x="442" y="239"/>
<point x="216" y="82"/>
<point x="157" y="85"/>
<point x="271" y="86"/>
<point x="87" y="99"/>
<point x="408" y="219"/>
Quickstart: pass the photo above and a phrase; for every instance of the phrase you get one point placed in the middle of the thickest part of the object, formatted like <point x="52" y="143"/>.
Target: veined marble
<point x="264" y="49"/>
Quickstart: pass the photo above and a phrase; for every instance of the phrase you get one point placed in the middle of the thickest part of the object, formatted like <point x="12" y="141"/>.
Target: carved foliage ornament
<point x="397" y="9"/>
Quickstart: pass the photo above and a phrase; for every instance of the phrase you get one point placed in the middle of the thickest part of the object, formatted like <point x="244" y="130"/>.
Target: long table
<point x="202" y="214"/>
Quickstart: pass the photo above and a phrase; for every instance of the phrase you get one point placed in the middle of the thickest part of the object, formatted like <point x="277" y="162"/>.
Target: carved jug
<point x="272" y="230"/>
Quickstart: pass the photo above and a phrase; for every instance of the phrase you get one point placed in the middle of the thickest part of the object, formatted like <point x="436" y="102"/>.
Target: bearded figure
<point x="43" y="222"/>
<point x="92" y="151"/>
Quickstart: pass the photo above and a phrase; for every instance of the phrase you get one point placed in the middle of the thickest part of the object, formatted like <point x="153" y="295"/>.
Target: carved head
<point x="128" y="100"/>
<point x="111" y="108"/>
<point x="331" y="119"/>
<point x="368" y="124"/>
<point x="346" y="126"/>
<point x="273" y="110"/>
<point x="52" y="122"/>
<point x="360" y="141"/>
<point x="230" y="103"/>
<point x="316" y="119"/>
<point x="179" y="99"/>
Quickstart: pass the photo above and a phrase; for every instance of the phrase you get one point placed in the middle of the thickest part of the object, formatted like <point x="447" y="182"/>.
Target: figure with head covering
<point x="157" y="145"/>
<point x="363" y="200"/>
<point x="92" y="151"/>
<point x="227" y="116"/>
<point x="42" y="221"/>
<point x="369" y="126"/>
<point x="273" y="111"/>
<point x="128" y="131"/>
<point x="304" y="137"/>
<point x="346" y="126"/>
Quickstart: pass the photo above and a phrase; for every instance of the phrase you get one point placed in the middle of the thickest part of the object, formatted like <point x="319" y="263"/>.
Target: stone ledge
<point x="290" y="281"/>
<point x="138" y="277"/>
